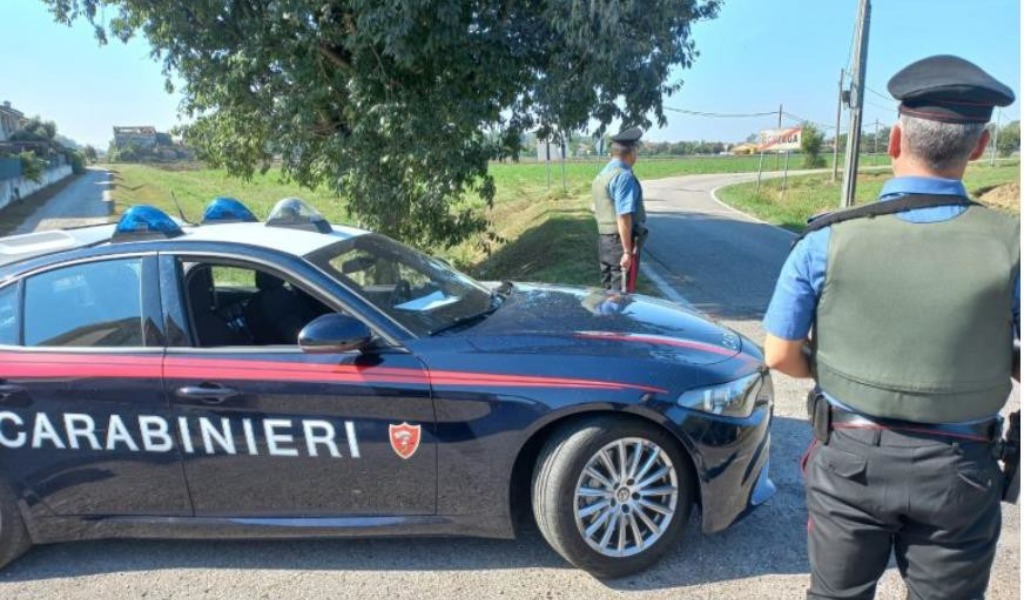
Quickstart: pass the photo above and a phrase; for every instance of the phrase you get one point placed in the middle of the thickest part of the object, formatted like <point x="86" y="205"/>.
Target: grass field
<point x="548" y="232"/>
<point x="811" y="194"/>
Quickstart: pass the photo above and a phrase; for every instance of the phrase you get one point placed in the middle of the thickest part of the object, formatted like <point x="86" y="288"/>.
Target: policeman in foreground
<point x="619" y="209"/>
<point x="914" y="302"/>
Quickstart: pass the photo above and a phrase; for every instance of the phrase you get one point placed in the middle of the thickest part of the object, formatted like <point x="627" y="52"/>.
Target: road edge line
<point x="714" y="196"/>
<point x="663" y="286"/>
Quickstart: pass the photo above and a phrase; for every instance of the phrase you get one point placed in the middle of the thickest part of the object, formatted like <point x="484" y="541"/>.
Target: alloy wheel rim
<point x="626" y="497"/>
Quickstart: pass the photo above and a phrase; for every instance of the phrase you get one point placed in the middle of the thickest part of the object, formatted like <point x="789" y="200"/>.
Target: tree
<point x="32" y="167"/>
<point x="35" y="130"/>
<point x="386" y="102"/>
<point x="811" y="141"/>
<point x="90" y="153"/>
<point x="77" y="160"/>
<point x="1009" y="139"/>
<point x="868" y="143"/>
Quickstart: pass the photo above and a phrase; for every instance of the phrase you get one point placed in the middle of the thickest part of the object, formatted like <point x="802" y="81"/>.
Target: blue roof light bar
<point x="145" y="223"/>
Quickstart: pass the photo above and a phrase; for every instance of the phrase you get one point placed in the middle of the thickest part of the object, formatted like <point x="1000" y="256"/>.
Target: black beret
<point x="949" y="89"/>
<point x="628" y="137"/>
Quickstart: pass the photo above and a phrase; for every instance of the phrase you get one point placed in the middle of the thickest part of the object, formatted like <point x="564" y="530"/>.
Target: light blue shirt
<point x="792" y="309"/>
<point x="624" y="189"/>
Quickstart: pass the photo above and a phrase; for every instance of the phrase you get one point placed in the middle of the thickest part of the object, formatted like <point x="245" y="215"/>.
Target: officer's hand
<point x="625" y="261"/>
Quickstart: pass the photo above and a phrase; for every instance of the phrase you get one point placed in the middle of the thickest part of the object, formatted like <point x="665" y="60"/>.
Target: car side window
<point x="9" y="315"/>
<point x="95" y="304"/>
<point x="239" y="306"/>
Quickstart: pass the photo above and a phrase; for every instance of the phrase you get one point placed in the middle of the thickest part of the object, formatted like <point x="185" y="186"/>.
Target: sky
<point x="756" y="55"/>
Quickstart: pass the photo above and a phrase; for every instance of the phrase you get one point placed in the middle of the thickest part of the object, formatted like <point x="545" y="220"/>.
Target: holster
<point x="820" y="414"/>
<point x="1010" y="455"/>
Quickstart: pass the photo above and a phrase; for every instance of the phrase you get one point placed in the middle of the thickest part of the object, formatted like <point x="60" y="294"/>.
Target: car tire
<point x="14" y="537"/>
<point x="566" y="509"/>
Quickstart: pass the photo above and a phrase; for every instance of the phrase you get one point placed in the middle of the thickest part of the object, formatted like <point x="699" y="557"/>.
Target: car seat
<point x="277" y="313"/>
<point x="210" y="329"/>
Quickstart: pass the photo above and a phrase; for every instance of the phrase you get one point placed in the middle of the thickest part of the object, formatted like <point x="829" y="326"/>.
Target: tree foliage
<point x="1009" y="139"/>
<point x="35" y="130"/>
<point x="32" y="167"/>
<point x="869" y="143"/>
<point x="811" y="141"/>
<point x="387" y="101"/>
<point x="89" y="153"/>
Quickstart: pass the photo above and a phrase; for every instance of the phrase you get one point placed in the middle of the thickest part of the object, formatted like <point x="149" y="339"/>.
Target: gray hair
<point x="942" y="146"/>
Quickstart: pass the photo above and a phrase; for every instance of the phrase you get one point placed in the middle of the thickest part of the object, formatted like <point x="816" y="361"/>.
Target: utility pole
<point x="860" y="67"/>
<point x="995" y="138"/>
<point x="874" y="152"/>
<point x="839" y="115"/>
<point x="778" y="131"/>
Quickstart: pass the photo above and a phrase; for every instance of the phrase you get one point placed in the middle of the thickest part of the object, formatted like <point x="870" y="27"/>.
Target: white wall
<point x="27" y="186"/>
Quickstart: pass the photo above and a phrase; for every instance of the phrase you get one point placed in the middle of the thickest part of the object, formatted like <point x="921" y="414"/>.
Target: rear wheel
<point x="14" y="539"/>
<point x="612" y="495"/>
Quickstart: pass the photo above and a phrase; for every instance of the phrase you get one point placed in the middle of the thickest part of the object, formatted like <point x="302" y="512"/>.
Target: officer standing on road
<point x="619" y="209"/>
<point x="911" y="300"/>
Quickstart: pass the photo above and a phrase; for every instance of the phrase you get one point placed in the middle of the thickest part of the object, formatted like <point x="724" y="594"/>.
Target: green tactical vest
<point x="604" y="206"/>
<point x="914" y="320"/>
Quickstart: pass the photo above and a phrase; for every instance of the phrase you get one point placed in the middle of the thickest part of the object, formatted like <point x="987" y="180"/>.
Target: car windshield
<point x="424" y="294"/>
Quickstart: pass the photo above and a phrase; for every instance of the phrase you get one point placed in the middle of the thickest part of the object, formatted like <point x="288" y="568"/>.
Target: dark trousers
<point x="932" y="502"/>
<point x="609" y="253"/>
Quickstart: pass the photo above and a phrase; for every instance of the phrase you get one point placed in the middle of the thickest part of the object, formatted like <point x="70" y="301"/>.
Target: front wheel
<point x="14" y="538"/>
<point x="612" y="495"/>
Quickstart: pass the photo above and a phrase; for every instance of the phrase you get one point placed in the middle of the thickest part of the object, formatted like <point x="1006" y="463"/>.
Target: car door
<point x="84" y="423"/>
<point x="268" y="430"/>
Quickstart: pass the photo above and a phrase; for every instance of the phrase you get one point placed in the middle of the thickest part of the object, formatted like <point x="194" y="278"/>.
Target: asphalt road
<point x="81" y="203"/>
<point x="719" y="261"/>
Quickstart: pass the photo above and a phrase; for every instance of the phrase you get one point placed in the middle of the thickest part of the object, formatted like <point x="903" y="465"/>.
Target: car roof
<point x="299" y="242"/>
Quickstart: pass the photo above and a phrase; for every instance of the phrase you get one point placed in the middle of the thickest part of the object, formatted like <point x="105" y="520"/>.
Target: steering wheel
<point x="401" y="293"/>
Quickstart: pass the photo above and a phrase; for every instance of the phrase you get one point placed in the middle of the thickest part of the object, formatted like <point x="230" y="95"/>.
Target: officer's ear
<point x="895" y="139"/>
<point x="980" y="147"/>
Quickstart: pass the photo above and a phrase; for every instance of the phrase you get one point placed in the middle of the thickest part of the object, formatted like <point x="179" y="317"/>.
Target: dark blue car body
<point x="256" y="463"/>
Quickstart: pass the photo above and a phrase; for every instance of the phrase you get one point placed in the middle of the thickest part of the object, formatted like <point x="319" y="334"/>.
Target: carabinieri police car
<point x="291" y="378"/>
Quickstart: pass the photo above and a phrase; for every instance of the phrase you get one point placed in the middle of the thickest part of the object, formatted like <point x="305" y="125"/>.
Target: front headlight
<point x="734" y="399"/>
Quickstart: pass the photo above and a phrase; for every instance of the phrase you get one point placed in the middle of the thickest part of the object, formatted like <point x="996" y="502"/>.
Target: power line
<point x="880" y="94"/>
<point x="800" y="119"/>
<point x="885" y="108"/>
<point x="720" y="115"/>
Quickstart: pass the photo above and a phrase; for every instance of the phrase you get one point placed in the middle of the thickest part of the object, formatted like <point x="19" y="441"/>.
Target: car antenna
<point x="181" y="212"/>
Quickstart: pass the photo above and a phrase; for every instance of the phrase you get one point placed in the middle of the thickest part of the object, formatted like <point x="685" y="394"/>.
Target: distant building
<point x="143" y="137"/>
<point x="10" y="120"/>
<point x="745" y="148"/>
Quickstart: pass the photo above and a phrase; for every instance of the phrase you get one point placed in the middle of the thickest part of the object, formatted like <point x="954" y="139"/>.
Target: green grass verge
<point x="548" y="233"/>
<point x="809" y="195"/>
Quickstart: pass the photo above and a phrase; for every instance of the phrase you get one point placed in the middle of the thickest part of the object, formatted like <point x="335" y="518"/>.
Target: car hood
<point x="542" y="319"/>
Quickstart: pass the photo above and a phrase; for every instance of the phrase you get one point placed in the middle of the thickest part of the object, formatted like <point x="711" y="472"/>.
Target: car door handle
<point x="206" y="393"/>
<point x="13" y="395"/>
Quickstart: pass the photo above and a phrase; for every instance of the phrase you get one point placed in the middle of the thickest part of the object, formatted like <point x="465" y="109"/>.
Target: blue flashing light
<point x="294" y="213"/>
<point x="145" y="223"/>
<point x="224" y="209"/>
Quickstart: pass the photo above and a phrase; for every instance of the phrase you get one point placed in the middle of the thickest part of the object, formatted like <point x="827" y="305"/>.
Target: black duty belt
<point x="982" y="431"/>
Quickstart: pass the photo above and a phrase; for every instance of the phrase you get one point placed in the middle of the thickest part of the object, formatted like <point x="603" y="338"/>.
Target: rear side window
<point x="89" y="305"/>
<point x="9" y="315"/>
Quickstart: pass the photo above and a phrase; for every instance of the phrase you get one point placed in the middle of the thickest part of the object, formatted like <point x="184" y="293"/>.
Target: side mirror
<point x="334" y="333"/>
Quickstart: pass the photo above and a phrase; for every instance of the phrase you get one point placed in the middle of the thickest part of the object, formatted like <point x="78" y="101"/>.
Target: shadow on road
<point x="769" y="541"/>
